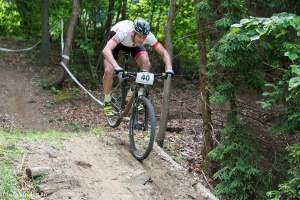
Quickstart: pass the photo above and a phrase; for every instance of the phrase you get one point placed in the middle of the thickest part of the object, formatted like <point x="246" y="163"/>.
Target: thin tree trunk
<point x="106" y="34"/>
<point x="70" y="35"/>
<point x="124" y="10"/>
<point x="168" y="28"/>
<point x="167" y="84"/>
<point x="204" y="101"/>
<point x="109" y="18"/>
<point x="119" y="12"/>
<point x="45" y="46"/>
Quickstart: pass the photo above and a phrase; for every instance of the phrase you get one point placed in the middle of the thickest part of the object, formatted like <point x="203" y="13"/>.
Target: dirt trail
<point x="88" y="169"/>
<point x="17" y="98"/>
<point x="83" y="166"/>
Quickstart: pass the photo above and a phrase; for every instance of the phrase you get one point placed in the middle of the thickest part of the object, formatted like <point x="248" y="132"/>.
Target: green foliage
<point x="239" y="176"/>
<point x="10" y="19"/>
<point x="259" y="46"/>
<point x="236" y="10"/>
<point x="263" y="54"/>
<point x="203" y="10"/>
<point x="290" y="189"/>
<point x="58" y="9"/>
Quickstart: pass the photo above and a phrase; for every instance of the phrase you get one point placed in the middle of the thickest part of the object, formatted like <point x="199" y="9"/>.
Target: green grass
<point x="97" y="131"/>
<point x="9" y="189"/>
<point x="171" y="149"/>
<point x="10" y="152"/>
<point x="66" y="95"/>
<point x="15" y="135"/>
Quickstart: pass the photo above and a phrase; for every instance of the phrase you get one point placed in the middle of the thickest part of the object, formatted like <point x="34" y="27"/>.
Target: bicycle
<point x="131" y="96"/>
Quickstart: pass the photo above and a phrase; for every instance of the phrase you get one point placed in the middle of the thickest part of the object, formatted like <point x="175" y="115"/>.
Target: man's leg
<point x="107" y="85"/>
<point x="107" y="77"/>
<point x="143" y="61"/>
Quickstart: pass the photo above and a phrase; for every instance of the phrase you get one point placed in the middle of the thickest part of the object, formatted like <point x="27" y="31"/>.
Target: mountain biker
<point x="129" y="36"/>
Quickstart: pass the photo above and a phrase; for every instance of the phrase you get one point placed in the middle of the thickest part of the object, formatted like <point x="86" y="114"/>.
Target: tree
<point x="45" y="45"/>
<point x="167" y="83"/>
<point x="106" y="33"/>
<point x="204" y="101"/>
<point x="124" y="10"/>
<point x="70" y="35"/>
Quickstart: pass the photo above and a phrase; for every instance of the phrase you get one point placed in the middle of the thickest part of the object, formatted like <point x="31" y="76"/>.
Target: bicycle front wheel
<point x="116" y="102"/>
<point x="142" y="128"/>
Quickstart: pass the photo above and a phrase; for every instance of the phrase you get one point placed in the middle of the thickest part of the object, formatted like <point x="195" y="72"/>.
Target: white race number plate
<point x="145" y="78"/>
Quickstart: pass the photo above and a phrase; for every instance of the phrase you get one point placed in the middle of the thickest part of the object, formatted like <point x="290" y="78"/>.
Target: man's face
<point x="139" y="39"/>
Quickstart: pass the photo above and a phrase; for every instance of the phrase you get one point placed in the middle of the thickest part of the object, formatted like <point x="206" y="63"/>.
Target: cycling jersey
<point x="124" y="33"/>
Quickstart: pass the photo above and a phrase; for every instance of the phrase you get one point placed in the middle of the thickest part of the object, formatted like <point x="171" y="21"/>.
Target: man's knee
<point x="143" y="60"/>
<point x="108" y="68"/>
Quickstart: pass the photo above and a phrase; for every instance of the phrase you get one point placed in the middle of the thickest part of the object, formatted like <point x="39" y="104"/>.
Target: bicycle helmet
<point x="141" y="26"/>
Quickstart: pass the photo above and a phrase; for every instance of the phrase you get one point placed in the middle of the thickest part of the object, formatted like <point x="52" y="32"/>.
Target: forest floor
<point x="66" y="131"/>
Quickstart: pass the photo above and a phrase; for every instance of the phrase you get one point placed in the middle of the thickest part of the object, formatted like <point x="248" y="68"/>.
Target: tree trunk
<point x="109" y="18"/>
<point x="25" y="10"/>
<point x="124" y="10"/>
<point x="45" y="46"/>
<point x="70" y="35"/>
<point x="108" y="24"/>
<point x="167" y="84"/>
<point x="204" y="101"/>
<point x="119" y="12"/>
<point x="168" y="28"/>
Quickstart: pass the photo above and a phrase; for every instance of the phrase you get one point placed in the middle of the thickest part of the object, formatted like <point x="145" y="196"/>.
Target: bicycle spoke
<point x="142" y="129"/>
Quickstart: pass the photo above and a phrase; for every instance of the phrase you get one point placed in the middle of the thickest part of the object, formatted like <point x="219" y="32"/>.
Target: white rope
<point x="79" y="84"/>
<point x="65" y="57"/>
<point x="68" y="71"/>
<point x="19" y="50"/>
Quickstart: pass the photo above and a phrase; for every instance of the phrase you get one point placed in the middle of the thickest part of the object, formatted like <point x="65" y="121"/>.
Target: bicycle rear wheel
<point x="142" y="128"/>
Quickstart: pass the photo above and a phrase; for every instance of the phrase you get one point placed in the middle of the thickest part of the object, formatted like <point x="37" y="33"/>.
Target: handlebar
<point x="132" y="75"/>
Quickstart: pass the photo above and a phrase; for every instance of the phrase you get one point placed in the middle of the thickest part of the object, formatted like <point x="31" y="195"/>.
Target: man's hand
<point x="120" y="72"/>
<point x="169" y="73"/>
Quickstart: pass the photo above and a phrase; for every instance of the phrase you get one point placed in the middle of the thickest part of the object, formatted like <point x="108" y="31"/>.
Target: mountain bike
<point x="130" y="97"/>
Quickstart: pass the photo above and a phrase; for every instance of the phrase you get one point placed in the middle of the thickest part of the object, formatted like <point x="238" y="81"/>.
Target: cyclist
<point x="129" y="36"/>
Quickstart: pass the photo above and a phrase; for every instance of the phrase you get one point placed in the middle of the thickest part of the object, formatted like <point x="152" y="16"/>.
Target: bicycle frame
<point x="127" y="105"/>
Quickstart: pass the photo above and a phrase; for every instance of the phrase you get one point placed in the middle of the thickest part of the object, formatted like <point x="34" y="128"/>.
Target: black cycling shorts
<point x="134" y="51"/>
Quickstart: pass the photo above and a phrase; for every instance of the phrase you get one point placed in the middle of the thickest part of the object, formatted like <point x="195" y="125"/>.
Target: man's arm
<point x="165" y="56"/>
<point x="108" y="55"/>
